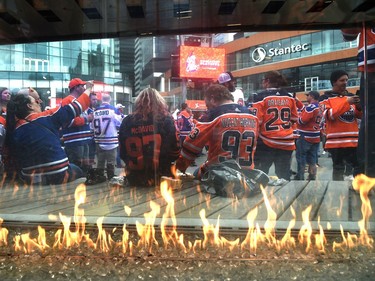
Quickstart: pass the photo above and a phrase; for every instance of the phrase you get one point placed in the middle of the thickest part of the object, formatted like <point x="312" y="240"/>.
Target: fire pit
<point x="150" y="251"/>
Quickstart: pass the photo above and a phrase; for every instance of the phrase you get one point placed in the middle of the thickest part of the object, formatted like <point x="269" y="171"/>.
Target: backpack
<point x="228" y="179"/>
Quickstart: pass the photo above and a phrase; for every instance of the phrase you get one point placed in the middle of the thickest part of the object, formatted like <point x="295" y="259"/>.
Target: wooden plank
<point x="50" y="203"/>
<point x="239" y="209"/>
<point x="335" y="205"/>
<point x="8" y="192"/>
<point x="141" y="204"/>
<point x="43" y="197"/>
<point x="281" y="199"/>
<point x="100" y="196"/>
<point x="211" y="204"/>
<point x="313" y="195"/>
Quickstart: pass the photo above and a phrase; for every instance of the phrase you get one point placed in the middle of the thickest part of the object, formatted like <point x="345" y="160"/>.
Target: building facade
<point x="124" y="66"/>
<point x="48" y="67"/>
<point x="305" y="58"/>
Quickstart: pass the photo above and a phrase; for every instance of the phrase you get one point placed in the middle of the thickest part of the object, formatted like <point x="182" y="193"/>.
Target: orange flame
<point x="3" y="234"/>
<point x="364" y="184"/>
<point x="305" y="232"/>
<point x="66" y="238"/>
<point x="147" y="232"/>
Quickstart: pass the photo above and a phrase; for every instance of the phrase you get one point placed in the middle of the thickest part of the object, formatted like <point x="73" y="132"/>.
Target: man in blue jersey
<point x="33" y="138"/>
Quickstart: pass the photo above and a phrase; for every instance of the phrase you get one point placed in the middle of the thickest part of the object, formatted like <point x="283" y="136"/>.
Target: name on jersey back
<point x="275" y="102"/>
<point x="142" y="129"/>
<point x="238" y="122"/>
<point x="101" y="112"/>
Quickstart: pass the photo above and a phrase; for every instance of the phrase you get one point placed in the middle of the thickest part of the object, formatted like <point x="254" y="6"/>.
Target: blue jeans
<point x="306" y="153"/>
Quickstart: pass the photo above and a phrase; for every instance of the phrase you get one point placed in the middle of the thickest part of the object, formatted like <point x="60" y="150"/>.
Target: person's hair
<point x="184" y="105"/>
<point x="2" y="89"/>
<point x="92" y="94"/>
<point x="16" y="109"/>
<point x="231" y="75"/>
<point x="335" y="75"/>
<point x="149" y="101"/>
<point x="275" y="79"/>
<point x="106" y="98"/>
<point x="219" y="93"/>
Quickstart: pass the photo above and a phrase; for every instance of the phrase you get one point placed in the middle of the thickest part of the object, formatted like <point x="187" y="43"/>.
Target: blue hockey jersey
<point x="36" y="139"/>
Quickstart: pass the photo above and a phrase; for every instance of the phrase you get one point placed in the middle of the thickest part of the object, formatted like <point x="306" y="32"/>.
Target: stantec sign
<point x="259" y="54"/>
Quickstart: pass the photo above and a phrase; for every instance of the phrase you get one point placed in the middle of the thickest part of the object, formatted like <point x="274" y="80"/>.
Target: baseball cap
<point x="314" y="94"/>
<point x="224" y="77"/>
<point x="75" y="82"/>
<point x="119" y="105"/>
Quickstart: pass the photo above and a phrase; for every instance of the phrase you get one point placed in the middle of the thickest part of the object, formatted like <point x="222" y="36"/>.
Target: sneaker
<point x="348" y="178"/>
<point x="116" y="181"/>
<point x="94" y="176"/>
<point x="278" y="182"/>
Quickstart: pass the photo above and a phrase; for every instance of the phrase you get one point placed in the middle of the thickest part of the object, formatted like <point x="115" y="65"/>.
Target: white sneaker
<point x="348" y="178"/>
<point x="278" y="182"/>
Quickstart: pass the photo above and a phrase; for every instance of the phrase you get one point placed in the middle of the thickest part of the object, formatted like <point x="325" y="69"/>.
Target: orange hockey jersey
<point x="276" y="113"/>
<point x="341" y="125"/>
<point x="229" y="136"/>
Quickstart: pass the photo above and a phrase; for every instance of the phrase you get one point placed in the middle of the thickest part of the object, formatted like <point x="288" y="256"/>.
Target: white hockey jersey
<point x="106" y="124"/>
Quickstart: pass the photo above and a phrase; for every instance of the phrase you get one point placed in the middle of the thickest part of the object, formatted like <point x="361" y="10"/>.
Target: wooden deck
<point x="331" y="201"/>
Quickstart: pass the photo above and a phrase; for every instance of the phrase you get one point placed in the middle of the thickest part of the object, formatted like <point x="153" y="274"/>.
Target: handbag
<point x="228" y="179"/>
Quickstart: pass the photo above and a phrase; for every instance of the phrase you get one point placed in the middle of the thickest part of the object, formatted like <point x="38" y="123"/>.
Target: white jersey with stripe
<point x="106" y="124"/>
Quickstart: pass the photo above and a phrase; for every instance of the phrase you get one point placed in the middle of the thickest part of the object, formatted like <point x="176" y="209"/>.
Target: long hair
<point x="275" y="79"/>
<point x="16" y="109"/>
<point x="149" y="101"/>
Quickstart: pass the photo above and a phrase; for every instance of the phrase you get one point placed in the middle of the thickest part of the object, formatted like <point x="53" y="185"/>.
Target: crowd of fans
<point x="80" y="136"/>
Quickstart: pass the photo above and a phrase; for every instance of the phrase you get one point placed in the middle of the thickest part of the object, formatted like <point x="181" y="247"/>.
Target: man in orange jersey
<point x="307" y="145"/>
<point x="277" y="110"/>
<point x="341" y="111"/>
<point x="229" y="130"/>
<point x="366" y="145"/>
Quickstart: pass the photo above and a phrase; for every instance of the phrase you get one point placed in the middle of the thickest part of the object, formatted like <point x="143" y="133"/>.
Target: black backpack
<point x="228" y="179"/>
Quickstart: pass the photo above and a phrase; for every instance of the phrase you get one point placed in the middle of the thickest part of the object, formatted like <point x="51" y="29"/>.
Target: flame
<point x="147" y="232"/>
<point x="169" y="215"/>
<point x="3" y="234"/>
<point x="364" y="184"/>
<point x="67" y="238"/>
<point x="269" y="226"/>
<point x="288" y="241"/>
<point x="210" y="232"/>
<point x="27" y="244"/>
<point x="320" y="239"/>
<point x="125" y="239"/>
<point x="251" y="239"/>
<point x="304" y="235"/>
